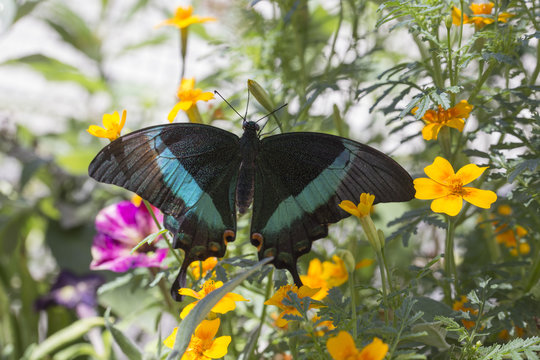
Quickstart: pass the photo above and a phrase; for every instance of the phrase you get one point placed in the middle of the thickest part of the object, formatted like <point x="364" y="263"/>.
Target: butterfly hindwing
<point x="189" y="172"/>
<point x="300" y="180"/>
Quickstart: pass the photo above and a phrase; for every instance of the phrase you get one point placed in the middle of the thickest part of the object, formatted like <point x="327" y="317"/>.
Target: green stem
<point x="385" y="291"/>
<point x="262" y="317"/>
<point x="353" y="304"/>
<point x="481" y="81"/>
<point x="449" y="261"/>
<point x="160" y="227"/>
<point x="183" y="51"/>
<point x="164" y="292"/>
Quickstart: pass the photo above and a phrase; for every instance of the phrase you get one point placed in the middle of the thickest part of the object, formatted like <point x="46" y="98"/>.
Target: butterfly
<point x="199" y="176"/>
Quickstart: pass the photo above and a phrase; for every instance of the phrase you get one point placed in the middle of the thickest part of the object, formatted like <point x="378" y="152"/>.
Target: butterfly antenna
<point x="273" y="111"/>
<point x="247" y="106"/>
<point x="277" y="127"/>
<point x="242" y="117"/>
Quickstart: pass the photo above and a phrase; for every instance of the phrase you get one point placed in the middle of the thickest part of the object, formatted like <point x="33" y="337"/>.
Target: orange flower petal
<point x="97" y="131"/>
<point x="430" y="131"/>
<point x="469" y="173"/>
<point x="427" y="189"/>
<point x="349" y="207"/>
<point x="207" y="329"/>
<point x="458" y="124"/>
<point x="440" y="170"/>
<point x="342" y="346"/>
<point x="205" y="96"/>
<point x="450" y="204"/>
<point x="481" y="198"/>
<point x="218" y="349"/>
<point x="375" y="351"/>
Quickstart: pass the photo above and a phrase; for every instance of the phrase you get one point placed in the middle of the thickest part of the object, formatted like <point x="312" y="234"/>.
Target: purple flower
<point x="72" y="291"/>
<point x="121" y="227"/>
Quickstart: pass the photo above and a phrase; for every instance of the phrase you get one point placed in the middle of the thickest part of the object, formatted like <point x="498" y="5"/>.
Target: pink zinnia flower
<point x="121" y="227"/>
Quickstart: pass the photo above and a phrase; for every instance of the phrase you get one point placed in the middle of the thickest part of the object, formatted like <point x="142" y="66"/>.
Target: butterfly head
<point x="250" y="126"/>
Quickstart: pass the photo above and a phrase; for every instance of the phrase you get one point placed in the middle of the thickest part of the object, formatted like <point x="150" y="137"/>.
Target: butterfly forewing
<point x="189" y="172"/>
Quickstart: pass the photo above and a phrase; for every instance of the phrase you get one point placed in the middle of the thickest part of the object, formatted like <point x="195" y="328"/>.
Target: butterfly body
<point x="199" y="176"/>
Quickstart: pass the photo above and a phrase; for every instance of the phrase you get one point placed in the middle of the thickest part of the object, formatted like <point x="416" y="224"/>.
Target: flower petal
<point x="97" y="131"/>
<point x="427" y="189"/>
<point x="440" y="170"/>
<point x="169" y="341"/>
<point x="187" y="309"/>
<point x="481" y="198"/>
<point x="189" y="292"/>
<point x="375" y="351"/>
<point x="450" y="204"/>
<point x="469" y="173"/>
<point x="218" y="349"/>
<point x="342" y="346"/>
<point x="205" y="96"/>
<point x="349" y="207"/>
<point x="458" y="124"/>
<point x="430" y="131"/>
<point x="207" y="329"/>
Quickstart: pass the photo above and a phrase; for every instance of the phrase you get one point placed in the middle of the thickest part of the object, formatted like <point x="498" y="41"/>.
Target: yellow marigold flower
<point x="183" y="18"/>
<point x="112" y="126"/>
<point x="224" y="305"/>
<point x="342" y="347"/>
<point x="205" y="265"/>
<point x="335" y="272"/>
<point x="482" y="9"/>
<point x="203" y="346"/>
<point x="459" y="305"/>
<point x="282" y="293"/>
<point x="452" y="117"/>
<point x="363" y="208"/>
<point x="188" y="96"/>
<point x="315" y="280"/>
<point x="447" y="190"/>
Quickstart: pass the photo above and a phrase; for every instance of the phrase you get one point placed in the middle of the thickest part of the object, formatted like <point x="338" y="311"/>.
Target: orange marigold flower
<point x="188" y="96"/>
<point x="342" y="347"/>
<point x="481" y="15"/>
<point x="511" y="237"/>
<point x="224" y="305"/>
<point x="335" y="272"/>
<point x="315" y="280"/>
<point x="112" y="126"/>
<point x="323" y="326"/>
<point x="447" y="190"/>
<point x="205" y="265"/>
<point x="283" y="293"/>
<point x="364" y="206"/>
<point x="452" y="117"/>
<point x="203" y="346"/>
<point x="183" y="18"/>
<point x="459" y="305"/>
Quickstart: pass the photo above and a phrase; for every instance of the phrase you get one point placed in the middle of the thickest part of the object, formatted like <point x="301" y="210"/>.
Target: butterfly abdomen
<point x="245" y="186"/>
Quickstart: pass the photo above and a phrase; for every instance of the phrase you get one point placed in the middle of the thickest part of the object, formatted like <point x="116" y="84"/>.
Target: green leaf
<point x="126" y="345"/>
<point x="529" y="164"/>
<point x="199" y="312"/>
<point x="65" y="336"/>
<point x="73" y="30"/>
<point x="25" y="8"/>
<point x="55" y="70"/>
<point x="434" y="335"/>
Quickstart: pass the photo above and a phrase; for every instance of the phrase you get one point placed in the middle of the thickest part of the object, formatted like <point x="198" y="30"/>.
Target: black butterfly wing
<point x="189" y="172"/>
<point x="300" y="180"/>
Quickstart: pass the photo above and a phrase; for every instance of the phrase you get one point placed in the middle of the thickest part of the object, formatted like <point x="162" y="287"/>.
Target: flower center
<point x="456" y="186"/>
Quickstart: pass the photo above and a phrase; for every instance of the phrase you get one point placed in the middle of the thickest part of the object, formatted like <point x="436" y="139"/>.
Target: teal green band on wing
<point x="315" y="194"/>
<point x="184" y="186"/>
